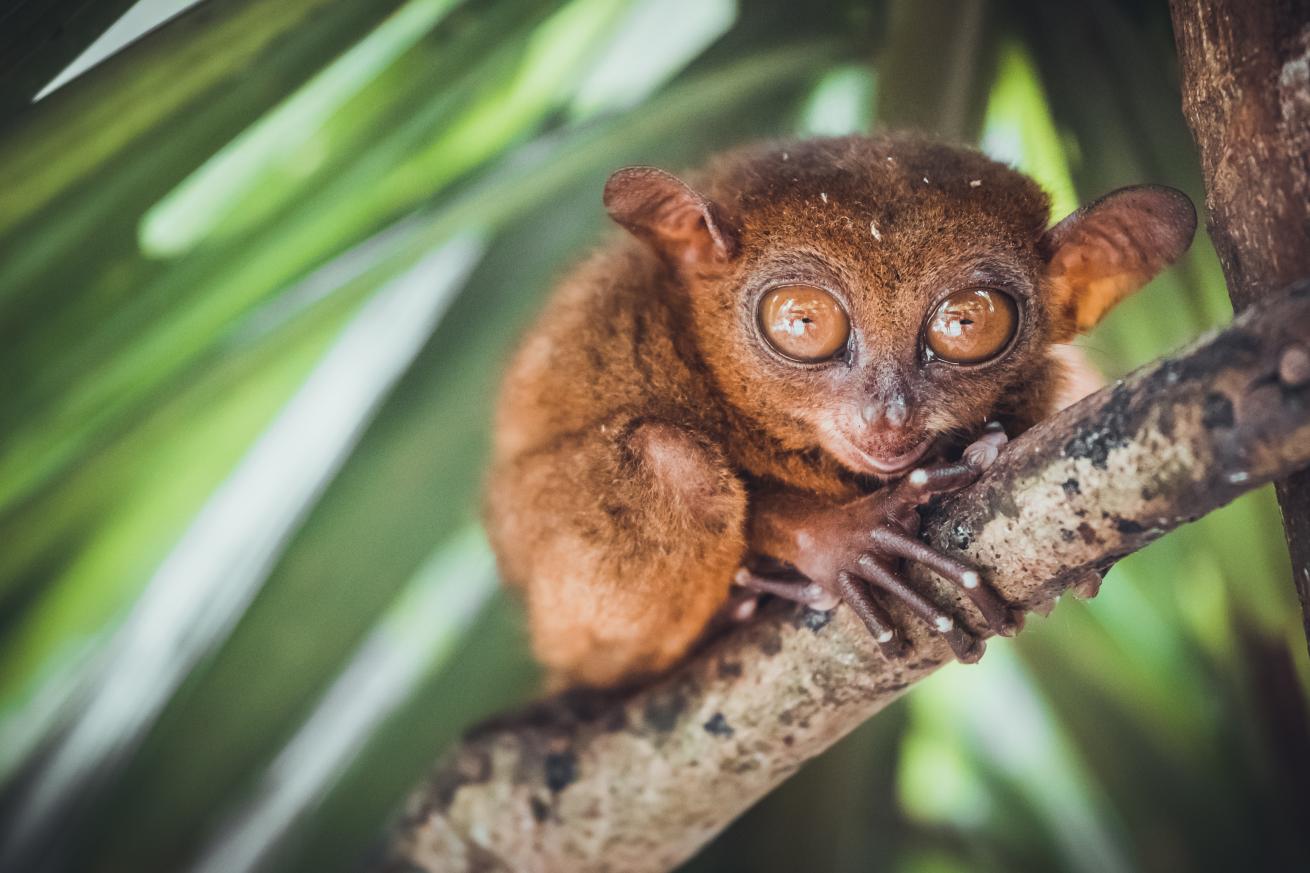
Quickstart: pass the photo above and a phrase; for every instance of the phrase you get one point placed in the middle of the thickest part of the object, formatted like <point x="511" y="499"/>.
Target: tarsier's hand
<point x="849" y="552"/>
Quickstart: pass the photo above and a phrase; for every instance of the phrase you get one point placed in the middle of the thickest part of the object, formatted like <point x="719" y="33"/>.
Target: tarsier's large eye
<point x="972" y="326"/>
<point x="804" y="323"/>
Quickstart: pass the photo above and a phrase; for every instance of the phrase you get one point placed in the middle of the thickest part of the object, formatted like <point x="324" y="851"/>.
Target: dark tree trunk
<point x="1246" y="94"/>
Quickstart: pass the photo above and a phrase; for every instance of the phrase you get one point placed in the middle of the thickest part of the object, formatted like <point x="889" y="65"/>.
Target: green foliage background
<point x="258" y="273"/>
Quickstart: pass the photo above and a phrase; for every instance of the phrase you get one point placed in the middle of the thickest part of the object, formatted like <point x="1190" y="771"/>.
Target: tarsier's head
<point x="873" y="296"/>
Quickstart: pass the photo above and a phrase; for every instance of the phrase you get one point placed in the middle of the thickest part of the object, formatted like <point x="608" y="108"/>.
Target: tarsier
<point x="788" y="356"/>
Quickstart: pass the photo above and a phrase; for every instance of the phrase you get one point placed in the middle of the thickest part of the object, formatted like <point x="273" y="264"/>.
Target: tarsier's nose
<point x="890" y="413"/>
<point x="886" y="404"/>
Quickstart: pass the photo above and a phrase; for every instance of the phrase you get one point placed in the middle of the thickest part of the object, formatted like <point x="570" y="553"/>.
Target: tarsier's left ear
<point x="677" y="220"/>
<point x="1105" y="251"/>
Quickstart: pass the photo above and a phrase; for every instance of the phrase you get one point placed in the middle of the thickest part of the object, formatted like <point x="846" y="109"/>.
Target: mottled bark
<point x="1246" y="94"/>
<point x="638" y="782"/>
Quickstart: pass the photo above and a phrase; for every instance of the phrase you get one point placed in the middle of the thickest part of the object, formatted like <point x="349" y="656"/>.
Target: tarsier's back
<point x="760" y="386"/>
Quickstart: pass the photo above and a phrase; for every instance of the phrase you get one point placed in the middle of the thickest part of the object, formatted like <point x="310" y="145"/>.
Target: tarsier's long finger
<point x="923" y="484"/>
<point x="810" y="594"/>
<point x="855" y="593"/>
<point x="740" y="606"/>
<point x="963" y="643"/>
<point x="993" y="609"/>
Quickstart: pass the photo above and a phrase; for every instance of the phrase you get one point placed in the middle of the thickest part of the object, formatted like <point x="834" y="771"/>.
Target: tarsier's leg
<point x="801" y="591"/>
<point x="625" y="542"/>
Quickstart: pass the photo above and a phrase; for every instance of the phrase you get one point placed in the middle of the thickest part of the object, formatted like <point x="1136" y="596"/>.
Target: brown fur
<point x="642" y="411"/>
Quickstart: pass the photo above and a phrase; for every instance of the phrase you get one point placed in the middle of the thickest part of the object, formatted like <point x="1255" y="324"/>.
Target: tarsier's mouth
<point x="880" y="464"/>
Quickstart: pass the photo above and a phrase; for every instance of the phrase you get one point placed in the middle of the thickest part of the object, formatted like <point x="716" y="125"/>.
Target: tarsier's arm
<point x="843" y="308"/>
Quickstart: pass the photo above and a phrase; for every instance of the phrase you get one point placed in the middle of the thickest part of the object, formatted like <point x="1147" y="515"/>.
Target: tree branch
<point x="1246" y="93"/>
<point x="639" y="782"/>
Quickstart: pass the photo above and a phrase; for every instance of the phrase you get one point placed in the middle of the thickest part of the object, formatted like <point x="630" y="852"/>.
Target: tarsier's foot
<point x="858" y="550"/>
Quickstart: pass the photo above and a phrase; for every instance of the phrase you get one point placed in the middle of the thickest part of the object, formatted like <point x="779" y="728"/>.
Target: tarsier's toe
<point x="968" y="648"/>
<point x="873" y="572"/>
<point x="896" y="543"/>
<point x="855" y="594"/>
<point x="1088" y="586"/>
<point x="810" y="594"/>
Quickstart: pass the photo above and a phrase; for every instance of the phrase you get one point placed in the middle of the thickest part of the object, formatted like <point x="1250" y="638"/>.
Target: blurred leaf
<point x="125" y="134"/>
<point x="1015" y="134"/>
<point x="1006" y="746"/>
<point x="936" y="66"/>
<point x="86" y="366"/>
<point x="414" y="637"/>
<point x="276" y="158"/>
<point x="844" y="102"/>
<point x="38" y="38"/>
<point x="126" y="502"/>
<point x="189" y="226"/>
<point x="635" y="62"/>
<point x="427" y="442"/>
<point x="82" y="553"/>
<point x="204" y="585"/>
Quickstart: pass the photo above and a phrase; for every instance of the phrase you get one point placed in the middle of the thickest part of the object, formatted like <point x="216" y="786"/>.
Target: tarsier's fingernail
<point x="994" y="427"/>
<point x="1294" y="366"/>
<point x="745" y="609"/>
<point x="885" y="636"/>
<point x="969" y="579"/>
<point x="1088" y="586"/>
<point x="919" y="477"/>
<point x="820" y="598"/>
<point x="981" y="455"/>
<point x="944" y="624"/>
<point x="742" y="576"/>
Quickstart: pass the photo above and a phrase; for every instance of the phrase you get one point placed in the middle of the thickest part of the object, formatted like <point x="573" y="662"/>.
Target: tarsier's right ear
<point x="1105" y="251"/>
<point x="678" y="221"/>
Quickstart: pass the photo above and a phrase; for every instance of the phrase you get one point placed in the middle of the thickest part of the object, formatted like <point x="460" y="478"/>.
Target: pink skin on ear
<point x="1111" y="247"/>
